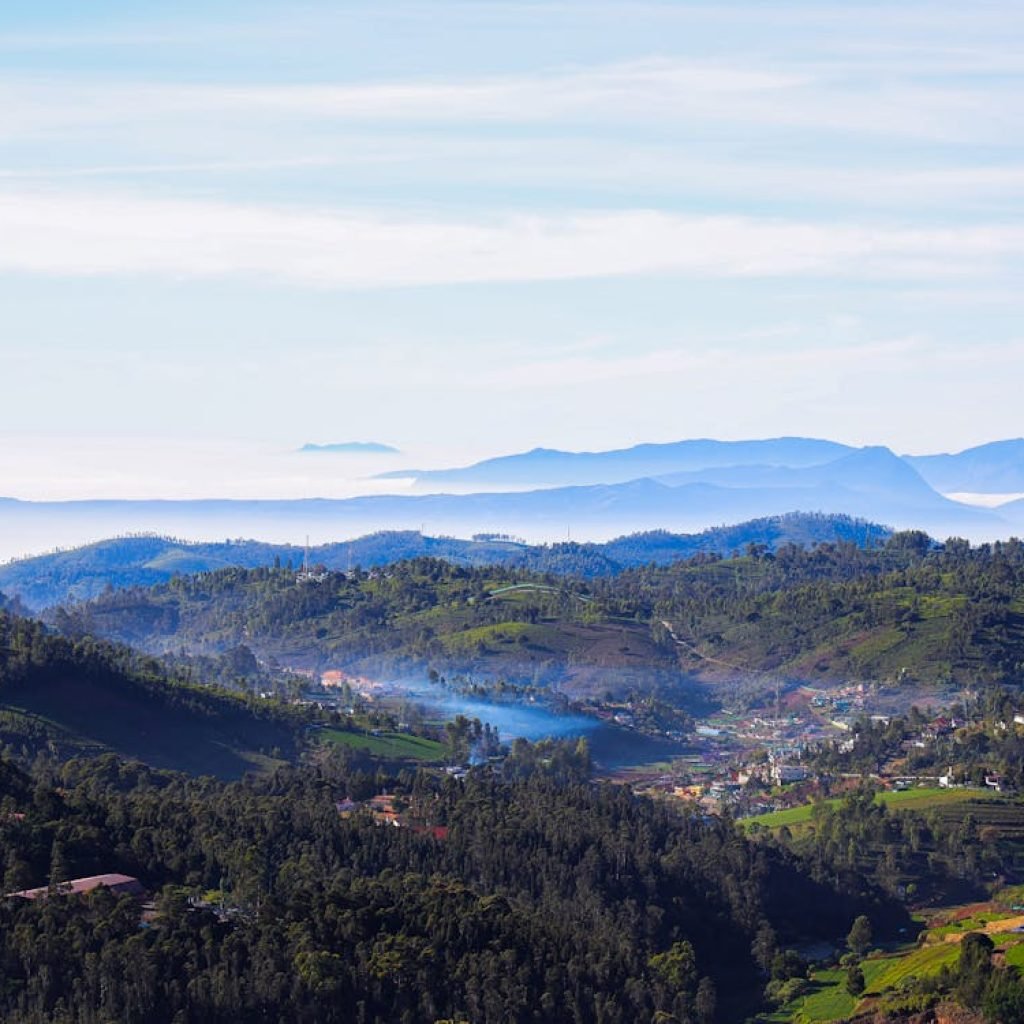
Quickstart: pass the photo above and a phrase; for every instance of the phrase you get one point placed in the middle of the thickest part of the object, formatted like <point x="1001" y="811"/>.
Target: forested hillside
<point x="908" y="609"/>
<point x="86" y="572"/>
<point x="503" y="621"/>
<point x="541" y="902"/>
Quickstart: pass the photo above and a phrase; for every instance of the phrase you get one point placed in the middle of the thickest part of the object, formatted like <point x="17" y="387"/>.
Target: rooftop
<point x="114" y="882"/>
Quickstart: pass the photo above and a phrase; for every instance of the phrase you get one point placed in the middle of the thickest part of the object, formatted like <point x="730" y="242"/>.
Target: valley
<point x="837" y="698"/>
<point x="511" y="512"/>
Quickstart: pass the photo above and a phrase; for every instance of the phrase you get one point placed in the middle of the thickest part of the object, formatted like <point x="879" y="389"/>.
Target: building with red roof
<point x="120" y="884"/>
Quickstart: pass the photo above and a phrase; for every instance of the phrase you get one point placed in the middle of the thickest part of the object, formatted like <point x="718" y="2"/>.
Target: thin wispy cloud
<point x="586" y="204"/>
<point x="88" y="235"/>
<point x="697" y="360"/>
<point x="619" y="89"/>
<point x="593" y="165"/>
<point x="807" y="96"/>
<point x="144" y="170"/>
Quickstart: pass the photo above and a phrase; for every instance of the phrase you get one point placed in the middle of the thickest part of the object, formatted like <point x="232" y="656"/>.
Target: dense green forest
<point x="907" y="609"/>
<point x="510" y="622"/>
<point x="520" y="893"/>
<point x="546" y="900"/>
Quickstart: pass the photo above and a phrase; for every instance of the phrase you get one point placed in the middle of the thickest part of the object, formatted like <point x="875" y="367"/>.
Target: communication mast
<point x="306" y="574"/>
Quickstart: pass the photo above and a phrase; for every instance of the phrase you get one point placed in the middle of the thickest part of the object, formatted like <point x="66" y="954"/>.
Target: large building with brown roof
<point x="120" y="884"/>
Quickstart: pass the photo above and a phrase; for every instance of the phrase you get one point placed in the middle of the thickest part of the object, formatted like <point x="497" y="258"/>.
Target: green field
<point x="388" y="744"/>
<point x="829" y="1001"/>
<point x="791" y="816"/>
<point x="907" y="799"/>
<point x="481" y="638"/>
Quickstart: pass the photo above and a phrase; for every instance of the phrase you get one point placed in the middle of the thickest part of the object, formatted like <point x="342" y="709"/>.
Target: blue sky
<point x="471" y="228"/>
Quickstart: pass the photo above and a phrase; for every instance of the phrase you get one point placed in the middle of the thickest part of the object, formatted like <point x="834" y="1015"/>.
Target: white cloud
<point x="588" y="164"/>
<point x="575" y="170"/>
<point x="85" y="234"/>
<point x="693" y="360"/>
<point x="132" y="170"/>
<point x="801" y="94"/>
<point x="644" y="88"/>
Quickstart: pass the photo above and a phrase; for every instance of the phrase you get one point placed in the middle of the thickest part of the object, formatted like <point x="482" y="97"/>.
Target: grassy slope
<point x="388" y="744"/>
<point x="466" y="625"/>
<point x="888" y="972"/>
<point x="818" y="616"/>
<point x="828" y="1001"/>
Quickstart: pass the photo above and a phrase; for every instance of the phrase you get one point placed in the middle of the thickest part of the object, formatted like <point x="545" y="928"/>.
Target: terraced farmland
<point x="887" y="972"/>
<point x="986" y="807"/>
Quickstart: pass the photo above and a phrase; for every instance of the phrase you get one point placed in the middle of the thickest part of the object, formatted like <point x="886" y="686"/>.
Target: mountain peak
<point x="551" y="467"/>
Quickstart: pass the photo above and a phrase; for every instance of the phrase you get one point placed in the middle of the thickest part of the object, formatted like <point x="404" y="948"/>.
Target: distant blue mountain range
<point x="550" y="467"/>
<point x="352" y="448"/>
<point x="548" y="495"/>
<point x="996" y="468"/>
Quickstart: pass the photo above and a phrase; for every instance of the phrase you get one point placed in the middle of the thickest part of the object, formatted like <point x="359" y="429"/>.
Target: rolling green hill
<point x="86" y="572"/>
<point x="499" y="621"/>
<point x="908" y="610"/>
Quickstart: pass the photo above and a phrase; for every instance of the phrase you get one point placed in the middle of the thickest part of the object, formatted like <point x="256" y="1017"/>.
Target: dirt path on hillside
<point x="1006" y="924"/>
<point x="680" y="642"/>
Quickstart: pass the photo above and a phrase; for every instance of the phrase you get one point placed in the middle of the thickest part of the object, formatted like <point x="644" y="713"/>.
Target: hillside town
<point x="743" y="762"/>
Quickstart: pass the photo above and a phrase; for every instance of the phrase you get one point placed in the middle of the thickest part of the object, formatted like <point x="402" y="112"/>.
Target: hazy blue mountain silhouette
<point x="870" y="483"/>
<point x="996" y="468"/>
<point x="351" y="448"/>
<point x="874" y="469"/>
<point x="551" y="467"/>
<point x="697" y="484"/>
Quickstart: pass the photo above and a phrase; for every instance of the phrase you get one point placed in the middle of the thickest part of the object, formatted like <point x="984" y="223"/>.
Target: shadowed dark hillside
<point x="85" y="695"/>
